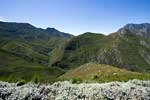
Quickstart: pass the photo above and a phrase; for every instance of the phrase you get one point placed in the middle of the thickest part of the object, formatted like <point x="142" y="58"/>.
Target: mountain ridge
<point x="127" y="26"/>
<point x="138" y="29"/>
<point x="129" y="51"/>
<point x="27" y="25"/>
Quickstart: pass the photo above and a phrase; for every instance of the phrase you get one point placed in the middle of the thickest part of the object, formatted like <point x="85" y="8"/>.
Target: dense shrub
<point x="76" y="80"/>
<point x="21" y="82"/>
<point x="95" y="77"/>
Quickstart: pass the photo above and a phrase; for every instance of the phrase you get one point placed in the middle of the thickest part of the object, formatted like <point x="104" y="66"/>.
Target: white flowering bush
<point x="132" y="90"/>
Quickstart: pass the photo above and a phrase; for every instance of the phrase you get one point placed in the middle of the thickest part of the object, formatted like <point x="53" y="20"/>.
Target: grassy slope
<point x="37" y="51"/>
<point x="102" y="73"/>
<point x="29" y="42"/>
<point x="13" y="68"/>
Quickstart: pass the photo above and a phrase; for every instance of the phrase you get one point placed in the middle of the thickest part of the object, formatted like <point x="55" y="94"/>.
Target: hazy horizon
<point x="76" y="16"/>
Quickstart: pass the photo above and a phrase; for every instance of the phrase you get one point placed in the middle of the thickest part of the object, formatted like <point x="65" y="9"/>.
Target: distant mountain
<point x="137" y="29"/>
<point x="28" y="31"/>
<point x="24" y="47"/>
<point x="128" y="48"/>
<point x="30" y="42"/>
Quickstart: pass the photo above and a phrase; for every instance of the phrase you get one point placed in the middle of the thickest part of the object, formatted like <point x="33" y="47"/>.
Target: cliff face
<point x="136" y="29"/>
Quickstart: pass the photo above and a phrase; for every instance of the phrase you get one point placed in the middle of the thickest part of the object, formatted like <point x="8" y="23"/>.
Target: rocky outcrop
<point x="137" y="29"/>
<point x="131" y="90"/>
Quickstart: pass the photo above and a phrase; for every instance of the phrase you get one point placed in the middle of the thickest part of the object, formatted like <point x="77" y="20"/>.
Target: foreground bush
<point x="131" y="90"/>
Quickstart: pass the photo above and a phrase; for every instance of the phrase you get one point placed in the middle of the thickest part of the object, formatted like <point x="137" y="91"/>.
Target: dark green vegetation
<point x="28" y="53"/>
<point x="91" y="72"/>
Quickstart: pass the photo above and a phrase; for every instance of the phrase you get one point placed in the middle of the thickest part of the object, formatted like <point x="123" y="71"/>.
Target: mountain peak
<point x="137" y="29"/>
<point x="51" y="29"/>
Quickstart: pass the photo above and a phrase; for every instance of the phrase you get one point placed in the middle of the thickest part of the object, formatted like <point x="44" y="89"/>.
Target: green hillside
<point x="25" y="51"/>
<point x="29" y="42"/>
<point x="91" y="72"/>
<point x="14" y="68"/>
<point x="125" y="48"/>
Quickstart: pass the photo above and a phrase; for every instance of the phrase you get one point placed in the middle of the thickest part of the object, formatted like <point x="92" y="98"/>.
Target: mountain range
<point x="30" y="53"/>
<point x="128" y="48"/>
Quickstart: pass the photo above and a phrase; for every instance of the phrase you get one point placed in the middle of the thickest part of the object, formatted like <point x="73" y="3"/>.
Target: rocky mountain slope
<point x="136" y="29"/>
<point x="127" y="48"/>
<point x="133" y="90"/>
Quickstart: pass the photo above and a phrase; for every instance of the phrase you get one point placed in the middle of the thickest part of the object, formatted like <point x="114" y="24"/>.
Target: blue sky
<point x="76" y="16"/>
